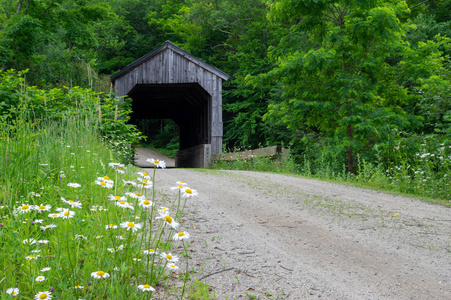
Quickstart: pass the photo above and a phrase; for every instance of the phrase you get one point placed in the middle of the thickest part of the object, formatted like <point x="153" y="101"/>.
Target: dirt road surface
<point x="272" y="236"/>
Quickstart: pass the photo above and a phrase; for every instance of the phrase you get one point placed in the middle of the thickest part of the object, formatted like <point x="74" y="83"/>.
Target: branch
<point x="419" y="4"/>
<point x="216" y="273"/>
<point x="48" y="8"/>
<point x="19" y="6"/>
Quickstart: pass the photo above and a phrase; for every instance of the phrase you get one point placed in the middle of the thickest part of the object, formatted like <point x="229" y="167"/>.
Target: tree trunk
<point x="19" y="6"/>
<point x="349" y="151"/>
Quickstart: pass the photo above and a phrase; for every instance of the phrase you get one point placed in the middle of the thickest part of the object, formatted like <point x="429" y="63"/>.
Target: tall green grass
<point x="40" y="159"/>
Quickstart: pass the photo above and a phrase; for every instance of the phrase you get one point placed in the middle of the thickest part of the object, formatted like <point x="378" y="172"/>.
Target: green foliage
<point x="56" y="103"/>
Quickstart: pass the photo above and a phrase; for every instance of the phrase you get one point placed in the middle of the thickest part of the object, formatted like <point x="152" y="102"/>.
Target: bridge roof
<point x="169" y="46"/>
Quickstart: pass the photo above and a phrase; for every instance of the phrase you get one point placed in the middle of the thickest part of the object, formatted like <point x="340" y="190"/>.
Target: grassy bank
<point x="77" y="224"/>
<point x="425" y="175"/>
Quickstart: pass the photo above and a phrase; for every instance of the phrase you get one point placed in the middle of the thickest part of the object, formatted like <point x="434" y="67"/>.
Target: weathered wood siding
<point x="171" y="65"/>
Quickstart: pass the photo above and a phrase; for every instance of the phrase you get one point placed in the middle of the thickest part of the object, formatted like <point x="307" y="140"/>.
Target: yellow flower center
<point x="117" y="197"/>
<point x="25" y="207"/>
<point x="122" y="202"/>
<point x="111" y="225"/>
<point x="138" y="194"/>
<point x="168" y="219"/>
<point x="151" y="250"/>
<point x="66" y="213"/>
<point x="119" y="168"/>
<point x="31" y="255"/>
<point x="42" y="207"/>
<point x="146" y="286"/>
<point x="13" y="292"/>
<point x="188" y="191"/>
<point x="156" y="161"/>
<point x="182" y="181"/>
<point x="144" y="174"/>
<point x="181" y="234"/>
<point x="168" y="256"/>
<point x="145" y="180"/>
<point x="102" y="183"/>
<point x="100" y="273"/>
<point x="131" y="224"/>
<point x="146" y="202"/>
<point x="43" y="296"/>
<point x="180" y="186"/>
<point x="71" y="201"/>
<point x="106" y="177"/>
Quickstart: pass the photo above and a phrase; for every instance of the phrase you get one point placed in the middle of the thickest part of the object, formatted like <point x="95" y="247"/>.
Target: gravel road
<point x="273" y="236"/>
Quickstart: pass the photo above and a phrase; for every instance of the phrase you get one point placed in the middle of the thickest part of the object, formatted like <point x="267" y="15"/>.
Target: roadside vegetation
<point x="75" y="221"/>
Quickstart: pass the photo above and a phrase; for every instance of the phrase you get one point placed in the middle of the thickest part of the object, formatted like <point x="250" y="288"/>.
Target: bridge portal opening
<point x="188" y="105"/>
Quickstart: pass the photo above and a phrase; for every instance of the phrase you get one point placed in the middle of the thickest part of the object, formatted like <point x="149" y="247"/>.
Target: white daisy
<point x="116" y="198"/>
<point x="40" y="278"/>
<point x="29" y="241"/>
<point x="43" y="295"/>
<point x="104" y="184"/>
<point x="169" y="257"/>
<point x="13" y="291"/>
<point x="168" y="220"/>
<point x="188" y="193"/>
<point x="131" y="226"/>
<point x="72" y="203"/>
<point x="66" y="214"/>
<point x="99" y="275"/>
<point x="129" y="182"/>
<point x="106" y="179"/>
<point x="50" y="226"/>
<point x="74" y="185"/>
<point x="145" y="203"/>
<point x="144" y="175"/>
<point x="149" y="252"/>
<point x="136" y="195"/>
<point x="38" y="221"/>
<point x="182" y="235"/>
<point x="179" y="187"/>
<point x="181" y="183"/>
<point x="30" y="257"/>
<point x="25" y="208"/>
<point x="54" y="215"/>
<point x="110" y="250"/>
<point x="46" y="269"/>
<point x="157" y="163"/>
<point x="124" y="204"/>
<point x="146" y="288"/>
<point x="172" y="267"/>
<point x="35" y="251"/>
<point x="110" y="226"/>
<point x="144" y="186"/>
<point x="43" y="242"/>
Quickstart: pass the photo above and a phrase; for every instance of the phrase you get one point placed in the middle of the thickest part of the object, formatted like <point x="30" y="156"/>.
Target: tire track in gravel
<point x="282" y="237"/>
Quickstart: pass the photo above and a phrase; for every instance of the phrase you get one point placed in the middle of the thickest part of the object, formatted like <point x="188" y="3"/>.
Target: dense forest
<point x="347" y="85"/>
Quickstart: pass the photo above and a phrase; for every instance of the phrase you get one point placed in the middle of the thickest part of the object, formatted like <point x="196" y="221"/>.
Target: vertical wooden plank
<point x="170" y="66"/>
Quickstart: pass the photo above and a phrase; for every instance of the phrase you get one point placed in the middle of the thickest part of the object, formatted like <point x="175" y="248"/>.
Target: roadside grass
<point x="425" y="176"/>
<point x="77" y="224"/>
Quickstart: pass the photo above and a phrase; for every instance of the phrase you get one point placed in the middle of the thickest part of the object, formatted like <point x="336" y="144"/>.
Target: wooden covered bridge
<point x="169" y="83"/>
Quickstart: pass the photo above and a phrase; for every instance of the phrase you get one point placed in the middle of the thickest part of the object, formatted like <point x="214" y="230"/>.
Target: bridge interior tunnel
<point x="188" y="105"/>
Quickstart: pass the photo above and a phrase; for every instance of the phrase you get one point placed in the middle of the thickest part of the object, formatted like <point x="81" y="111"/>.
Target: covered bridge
<point x="169" y="83"/>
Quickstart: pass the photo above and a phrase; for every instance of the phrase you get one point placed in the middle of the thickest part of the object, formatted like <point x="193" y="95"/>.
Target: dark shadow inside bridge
<point x="187" y="104"/>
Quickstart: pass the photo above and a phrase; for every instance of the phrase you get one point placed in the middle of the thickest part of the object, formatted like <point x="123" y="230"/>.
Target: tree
<point x="356" y="79"/>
